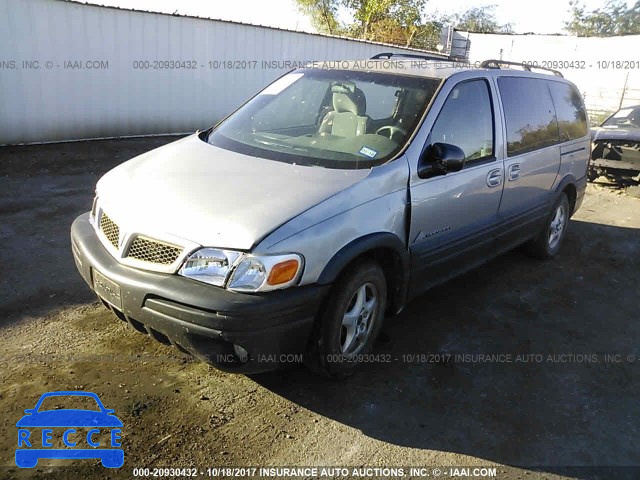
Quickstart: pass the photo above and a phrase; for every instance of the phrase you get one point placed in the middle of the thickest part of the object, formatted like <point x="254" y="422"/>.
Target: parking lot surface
<point x="531" y="366"/>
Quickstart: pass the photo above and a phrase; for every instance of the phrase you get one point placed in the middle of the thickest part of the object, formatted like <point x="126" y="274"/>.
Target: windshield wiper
<point x="281" y="145"/>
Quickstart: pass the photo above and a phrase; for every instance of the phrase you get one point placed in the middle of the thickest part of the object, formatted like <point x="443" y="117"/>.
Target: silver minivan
<point x="293" y="227"/>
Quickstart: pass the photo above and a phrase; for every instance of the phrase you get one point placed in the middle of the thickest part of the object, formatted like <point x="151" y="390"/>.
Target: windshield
<point x="329" y="118"/>
<point x="627" y="117"/>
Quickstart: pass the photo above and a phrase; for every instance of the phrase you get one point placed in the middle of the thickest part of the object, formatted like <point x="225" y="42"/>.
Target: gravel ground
<point x="561" y="403"/>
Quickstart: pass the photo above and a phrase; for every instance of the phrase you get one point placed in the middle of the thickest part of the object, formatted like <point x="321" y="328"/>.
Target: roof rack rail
<point x="382" y="55"/>
<point x="526" y="66"/>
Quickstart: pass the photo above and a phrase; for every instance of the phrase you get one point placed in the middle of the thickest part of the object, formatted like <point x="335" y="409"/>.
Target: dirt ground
<point x="561" y="403"/>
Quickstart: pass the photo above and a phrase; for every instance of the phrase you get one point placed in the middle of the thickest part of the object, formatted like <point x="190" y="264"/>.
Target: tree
<point x="398" y="22"/>
<point x="383" y="20"/>
<point x="480" y="20"/>
<point x="408" y="15"/>
<point x="368" y="13"/>
<point x="613" y="19"/>
<point x="323" y="14"/>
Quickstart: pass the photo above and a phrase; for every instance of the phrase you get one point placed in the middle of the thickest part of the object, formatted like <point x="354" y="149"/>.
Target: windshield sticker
<point x="368" y="152"/>
<point x="282" y="83"/>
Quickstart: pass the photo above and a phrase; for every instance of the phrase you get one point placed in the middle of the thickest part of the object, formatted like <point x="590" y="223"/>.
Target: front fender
<point x="388" y="249"/>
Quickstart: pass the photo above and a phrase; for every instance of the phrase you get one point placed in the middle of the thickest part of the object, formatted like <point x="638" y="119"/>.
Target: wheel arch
<point x="568" y="186"/>
<point x="391" y="254"/>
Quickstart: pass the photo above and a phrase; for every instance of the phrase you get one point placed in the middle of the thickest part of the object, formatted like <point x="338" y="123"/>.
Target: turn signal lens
<point x="283" y="272"/>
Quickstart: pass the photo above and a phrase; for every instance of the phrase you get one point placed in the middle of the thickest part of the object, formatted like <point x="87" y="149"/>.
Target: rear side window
<point x="529" y="114"/>
<point x="466" y="120"/>
<point x="572" y="118"/>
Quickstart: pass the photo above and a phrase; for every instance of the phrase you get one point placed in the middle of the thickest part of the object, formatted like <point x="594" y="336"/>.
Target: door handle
<point x="494" y="178"/>
<point x="514" y="172"/>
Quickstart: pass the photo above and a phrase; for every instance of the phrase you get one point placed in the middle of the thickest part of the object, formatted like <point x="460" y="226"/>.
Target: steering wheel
<point x="392" y="131"/>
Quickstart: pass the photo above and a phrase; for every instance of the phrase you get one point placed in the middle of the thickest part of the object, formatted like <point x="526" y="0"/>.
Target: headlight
<point x="242" y="272"/>
<point x="262" y="273"/>
<point x="210" y="265"/>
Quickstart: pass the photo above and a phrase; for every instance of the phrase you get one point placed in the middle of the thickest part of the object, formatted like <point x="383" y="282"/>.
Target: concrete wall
<point x="599" y="68"/>
<point x="72" y="71"/>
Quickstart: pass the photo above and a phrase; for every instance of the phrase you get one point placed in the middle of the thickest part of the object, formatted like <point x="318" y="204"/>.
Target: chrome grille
<point x="153" y="251"/>
<point x="110" y="229"/>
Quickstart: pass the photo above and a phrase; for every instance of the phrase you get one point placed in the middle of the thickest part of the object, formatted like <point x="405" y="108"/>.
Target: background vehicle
<point x="329" y="200"/>
<point x="615" y="151"/>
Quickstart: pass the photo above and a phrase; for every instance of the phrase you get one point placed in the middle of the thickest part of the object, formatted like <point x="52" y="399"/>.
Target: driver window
<point x="466" y="120"/>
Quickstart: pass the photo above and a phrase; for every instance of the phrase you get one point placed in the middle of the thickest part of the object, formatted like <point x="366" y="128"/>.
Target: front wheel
<point x="351" y="322"/>
<point x="548" y="242"/>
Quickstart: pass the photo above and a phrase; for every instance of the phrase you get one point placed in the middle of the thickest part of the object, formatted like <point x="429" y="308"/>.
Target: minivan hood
<point x="213" y="197"/>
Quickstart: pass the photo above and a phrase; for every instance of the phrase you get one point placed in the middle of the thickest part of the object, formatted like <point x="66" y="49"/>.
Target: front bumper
<point x="620" y="157"/>
<point x="206" y="321"/>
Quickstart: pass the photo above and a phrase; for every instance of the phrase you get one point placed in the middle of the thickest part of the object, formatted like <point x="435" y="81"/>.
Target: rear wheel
<point x="548" y="242"/>
<point x="351" y="322"/>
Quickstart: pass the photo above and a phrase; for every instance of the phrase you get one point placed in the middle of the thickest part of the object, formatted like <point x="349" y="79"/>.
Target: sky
<point x="539" y="16"/>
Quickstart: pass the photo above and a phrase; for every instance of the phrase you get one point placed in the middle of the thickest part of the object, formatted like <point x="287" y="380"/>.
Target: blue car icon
<point x="32" y="448"/>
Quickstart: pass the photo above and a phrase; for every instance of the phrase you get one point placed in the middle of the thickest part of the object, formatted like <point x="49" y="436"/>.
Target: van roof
<point x="436" y="68"/>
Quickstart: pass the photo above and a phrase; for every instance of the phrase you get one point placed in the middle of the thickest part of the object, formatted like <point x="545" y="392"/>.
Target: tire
<point x="549" y="241"/>
<point x="349" y="325"/>
<point x="592" y="174"/>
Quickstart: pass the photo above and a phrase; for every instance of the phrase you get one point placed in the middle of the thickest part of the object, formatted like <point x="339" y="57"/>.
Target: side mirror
<point x="440" y="159"/>
<point x="29" y="411"/>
